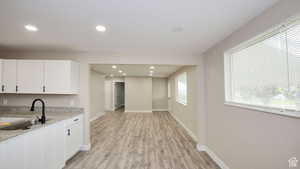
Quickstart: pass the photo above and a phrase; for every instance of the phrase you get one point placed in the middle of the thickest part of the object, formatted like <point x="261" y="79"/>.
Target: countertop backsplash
<point x="26" y="109"/>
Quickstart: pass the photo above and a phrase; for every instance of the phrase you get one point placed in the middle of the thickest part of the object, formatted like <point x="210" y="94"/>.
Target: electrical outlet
<point x="5" y="101"/>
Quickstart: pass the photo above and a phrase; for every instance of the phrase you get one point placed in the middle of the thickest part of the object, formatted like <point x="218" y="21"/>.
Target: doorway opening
<point x="119" y="96"/>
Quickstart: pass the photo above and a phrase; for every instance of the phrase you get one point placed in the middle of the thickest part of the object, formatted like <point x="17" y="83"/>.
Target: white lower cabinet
<point x="45" y="148"/>
<point x="13" y="153"/>
<point x="34" y="149"/>
<point x="73" y="136"/>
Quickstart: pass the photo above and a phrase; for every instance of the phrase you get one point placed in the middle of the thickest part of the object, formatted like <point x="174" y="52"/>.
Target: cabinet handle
<point x="69" y="132"/>
<point x="17" y="88"/>
<point x="44" y="89"/>
<point x="2" y="88"/>
<point x="75" y="119"/>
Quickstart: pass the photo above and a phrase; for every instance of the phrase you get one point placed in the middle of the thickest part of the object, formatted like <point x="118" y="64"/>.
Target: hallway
<point x="140" y="141"/>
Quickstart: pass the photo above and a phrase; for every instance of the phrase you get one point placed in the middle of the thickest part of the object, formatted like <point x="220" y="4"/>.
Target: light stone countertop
<point x="53" y="117"/>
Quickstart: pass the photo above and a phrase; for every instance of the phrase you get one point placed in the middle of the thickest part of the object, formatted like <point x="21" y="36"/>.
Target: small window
<point x="266" y="73"/>
<point x="181" y="88"/>
<point x="169" y="89"/>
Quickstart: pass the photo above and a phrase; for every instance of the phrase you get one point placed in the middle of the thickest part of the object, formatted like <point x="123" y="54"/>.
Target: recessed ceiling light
<point x="111" y="75"/>
<point x="152" y="67"/>
<point x="151" y="71"/>
<point x="124" y="74"/>
<point x="31" y="28"/>
<point x="114" y="67"/>
<point x="100" y="28"/>
<point x="120" y="71"/>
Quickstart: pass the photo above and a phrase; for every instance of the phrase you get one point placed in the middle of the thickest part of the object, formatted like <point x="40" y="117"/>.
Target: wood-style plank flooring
<point x="140" y="141"/>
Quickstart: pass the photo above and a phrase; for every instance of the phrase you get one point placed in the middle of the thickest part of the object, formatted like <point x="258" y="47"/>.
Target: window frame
<point x="228" y="88"/>
<point x="181" y="101"/>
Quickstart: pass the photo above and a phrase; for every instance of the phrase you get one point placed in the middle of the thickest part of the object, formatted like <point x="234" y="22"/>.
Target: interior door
<point x="30" y="76"/>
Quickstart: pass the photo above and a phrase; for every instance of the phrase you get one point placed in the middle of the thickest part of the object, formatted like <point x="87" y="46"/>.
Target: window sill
<point x="184" y="104"/>
<point x="289" y="113"/>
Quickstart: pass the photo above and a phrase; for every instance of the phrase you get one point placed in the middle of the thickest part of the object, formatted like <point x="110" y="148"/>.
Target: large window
<point x="181" y="88"/>
<point x="266" y="72"/>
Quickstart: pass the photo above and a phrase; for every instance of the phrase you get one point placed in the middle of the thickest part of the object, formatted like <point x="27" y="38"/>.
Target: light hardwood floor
<point x="140" y="141"/>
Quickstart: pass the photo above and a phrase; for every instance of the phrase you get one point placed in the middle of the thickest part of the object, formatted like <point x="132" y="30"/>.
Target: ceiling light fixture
<point x="31" y="28"/>
<point x="124" y="74"/>
<point x="151" y="71"/>
<point x="150" y="74"/>
<point x="114" y="67"/>
<point x="111" y="75"/>
<point x="100" y="28"/>
<point x="152" y="67"/>
<point x="120" y="71"/>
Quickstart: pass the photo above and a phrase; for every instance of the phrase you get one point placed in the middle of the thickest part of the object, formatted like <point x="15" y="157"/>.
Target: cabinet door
<point x="2" y="155"/>
<point x="1" y="74"/>
<point x="48" y="140"/>
<point x="30" y="76"/>
<point x="60" y="145"/>
<point x="14" y="153"/>
<point x="73" y="136"/>
<point x="58" y="76"/>
<point x="9" y="75"/>
<point x="34" y="149"/>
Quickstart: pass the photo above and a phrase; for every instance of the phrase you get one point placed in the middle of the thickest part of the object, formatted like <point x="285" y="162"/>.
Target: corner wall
<point x="159" y="94"/>
<point x="242" y="138"/>
<point x="96" y="94"/>
<point x="187" y="115"/>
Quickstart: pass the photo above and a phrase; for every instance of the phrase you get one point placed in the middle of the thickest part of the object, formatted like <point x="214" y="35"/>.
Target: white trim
<point x="216" y="159"/>
<point x="85" y="147"/>
<point x="186" y="129"/>
<point x="138" y="111"/>
<point x="96" y="117"/>
<point x="277" y="111"/>
<point x="160" y="110"/>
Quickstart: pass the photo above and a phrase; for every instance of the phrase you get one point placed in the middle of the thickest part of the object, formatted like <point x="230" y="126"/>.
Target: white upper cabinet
<point x="39" y="76"/>
<point x="9" y="76"/>
<point x="61" y="77"/>
<point x="30" y="75"/>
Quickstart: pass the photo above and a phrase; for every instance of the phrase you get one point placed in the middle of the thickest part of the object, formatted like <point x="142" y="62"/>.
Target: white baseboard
<point x="85" y="147"/>
<point x="160" y="110"/>
<point x="188" y="130"/>
<point x="217" y="160"/>
<point x="138" y="111"/>
<point x="96" y="117"/>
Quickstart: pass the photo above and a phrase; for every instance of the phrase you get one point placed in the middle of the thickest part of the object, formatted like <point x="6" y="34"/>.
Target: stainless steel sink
<point x="19" y="125"/>
<point x="14" y="123"/>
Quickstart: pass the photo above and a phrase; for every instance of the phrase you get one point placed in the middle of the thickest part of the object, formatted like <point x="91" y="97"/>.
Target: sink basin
<point x="12" y="123"/>
<point x="11" y="119"/>
<point x="19" y="125"/>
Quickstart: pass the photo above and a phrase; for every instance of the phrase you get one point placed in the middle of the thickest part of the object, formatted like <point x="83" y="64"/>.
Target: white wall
<point x="138" y="94"/>
<point x="186" y="114"/>
<point x="248" y="139"/>
<point x="97" y="95"/>
<point x="108" y="95"/>
<point x="159" y="94"/>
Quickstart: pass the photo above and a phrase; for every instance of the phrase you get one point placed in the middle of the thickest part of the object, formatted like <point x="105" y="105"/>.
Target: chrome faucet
<point x="43" y="117"/>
